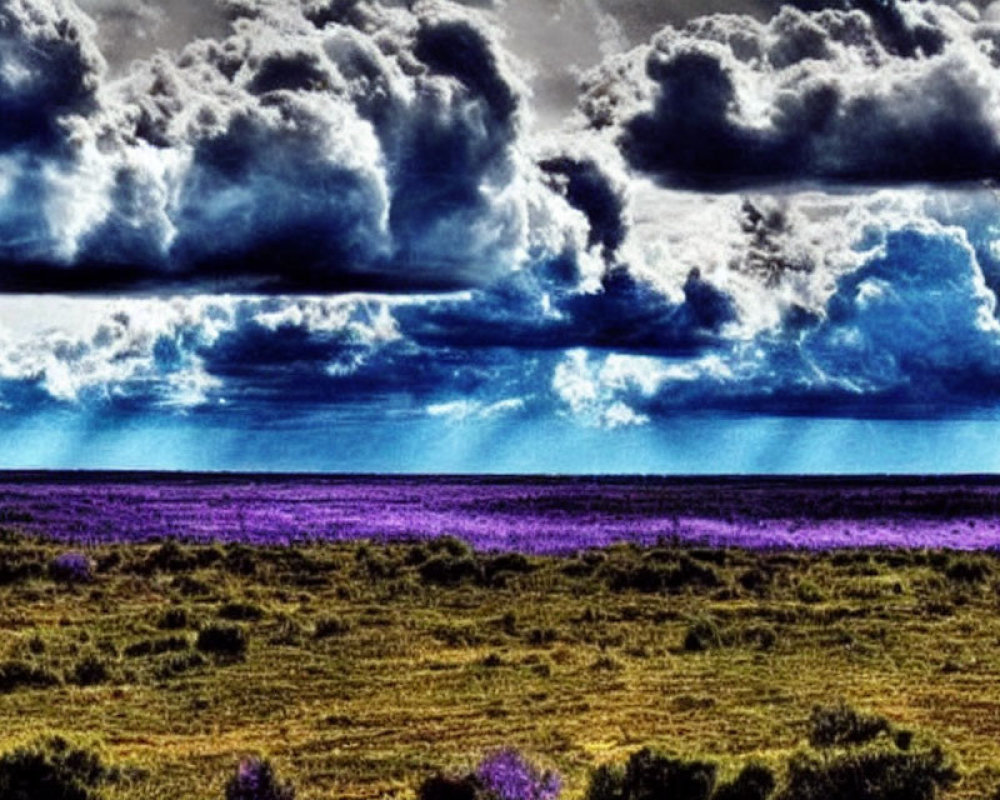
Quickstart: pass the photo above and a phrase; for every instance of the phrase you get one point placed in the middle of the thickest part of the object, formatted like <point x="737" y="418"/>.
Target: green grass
<point x="366" y="670"/>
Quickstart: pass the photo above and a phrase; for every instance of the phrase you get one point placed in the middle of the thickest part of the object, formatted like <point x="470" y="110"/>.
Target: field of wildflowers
<point x="527" y="515"/>
<point x="429" y="669"/>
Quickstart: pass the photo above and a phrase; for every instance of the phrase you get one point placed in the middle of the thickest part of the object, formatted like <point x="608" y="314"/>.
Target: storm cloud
<point x="891" y="93"/>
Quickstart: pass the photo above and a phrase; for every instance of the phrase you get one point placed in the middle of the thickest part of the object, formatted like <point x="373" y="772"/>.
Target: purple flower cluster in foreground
<point x="525" y="515"/>
<point x="71" y="568"/>
<point x="255" y="780"/>
<point x="507" y="775"/>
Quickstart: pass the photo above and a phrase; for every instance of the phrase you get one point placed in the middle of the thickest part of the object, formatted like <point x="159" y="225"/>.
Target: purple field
<point x="538" y="515"/>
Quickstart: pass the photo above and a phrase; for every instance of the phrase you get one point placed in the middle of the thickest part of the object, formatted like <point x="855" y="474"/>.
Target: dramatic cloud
<point x="317" y="147"/>
<point x="907" y="92"/>
<point x="359" y="213"/>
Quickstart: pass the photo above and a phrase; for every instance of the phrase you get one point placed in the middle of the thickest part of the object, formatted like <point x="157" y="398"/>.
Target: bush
<point x="18" y="568"/>
<point x="841" y="725"/>
<point x="173" y="620"/>
<point x="89" y="671"/>
<point x="755" y="782"/>
<point x="446" y="787"/>
<point x="255" y="780"/>
<point x="649" y="775"/>
<point x="869" y="775"/>
<point x="177" y="663"/>
<point x="241" y="612"/>
<point x="449" y="570"/>
<point x="507" y="775"/>
<point x="154" y="647"/>
<point x="223" y="640"/>
<point x="808" y="592"/>
<point x="607" y="782"/>
<point x="170" y="557"/>
<point x="331" y="626"/>
<point x="968" y="570"/>
<point x="702" y="634"/>
<point x="18" y="674"/>
<point x="72" y="567"/>
<point x="51" y="769"/>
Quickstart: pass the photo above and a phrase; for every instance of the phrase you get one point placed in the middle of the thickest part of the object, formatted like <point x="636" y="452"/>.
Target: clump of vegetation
<point x="255" y="779"/>
<point x="173" y="619"/>
<point x="22" y="674"/>
<point x="327" y="627"/>
<point x="449" y="787"/>
<point x="754" y="782"/>
<point x="89" y="671"/>
<point x="153" y="647"/>
<point x="869" y="774"/>
<point x="52" y="769"/>
<point x="449" y="570"/>
<point x="968" y="570"/>
<point x="841" y="725"/>
<point x="177" y="663"/>
<point x="508" y="775"/>
<point x="649" y="774"/>
<point x="229" y="641"/>
<point x="71" y="567"/>
<point x="703" y="634"/>
<point x="241" y="612"/>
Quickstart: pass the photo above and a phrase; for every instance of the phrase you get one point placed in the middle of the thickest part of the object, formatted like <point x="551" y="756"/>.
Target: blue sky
<point x="511" y="237"/>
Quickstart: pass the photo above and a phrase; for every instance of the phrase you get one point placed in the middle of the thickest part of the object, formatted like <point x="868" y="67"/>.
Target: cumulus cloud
<point x="319" y="146"/>
<point x="888" y="93"/>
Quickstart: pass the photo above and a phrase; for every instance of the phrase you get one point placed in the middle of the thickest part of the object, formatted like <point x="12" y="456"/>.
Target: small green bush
<point x="229" y="641"/>
<point x="327" y="627"/>
<point x="240" y="612"/>
<point x="51" y="769"/>
<point x="841" y="725"/>
<point x="755" y="782"/>
<point x="447" y="570"/>
<point x="22" y="674"/>
<point x="174" y="619"/>
<point x="89" y="671"/>
<point x="875" y="774"/>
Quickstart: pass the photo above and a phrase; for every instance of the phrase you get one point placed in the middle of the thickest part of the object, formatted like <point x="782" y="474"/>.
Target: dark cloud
<point x="326" y="146"/>
<point x="879" y="94"/>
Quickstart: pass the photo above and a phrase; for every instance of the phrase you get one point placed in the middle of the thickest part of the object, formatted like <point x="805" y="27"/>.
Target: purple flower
<point x="255" y="780"/>
<point x="507" y="775"/>
<point x="72" y="567"/>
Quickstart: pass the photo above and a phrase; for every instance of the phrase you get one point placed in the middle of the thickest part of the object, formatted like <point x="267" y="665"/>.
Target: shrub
<point x="451" y="545"/>
<point x="869" y="775"/>
<point x="841" y="725"/>
<point x="507" y="775"/>
<point x="242" y="612"/>
<point x="177" y="663"/>
<point x="331" y="626"/>
<point x="173" y="620"/>
<point x="89" y="671"/>
<point x="72" y="567"/>
<point x="808" y="592"/>
<point x="17" y="674"/>
<point x="170" y="557"/>
<point x="255" y="780"/>
<point x="607" y="782"/>
<point x="450" y="570"/>
<point x="968" y="570"/>
<point x="649" y="775"/>
<point x="52" y="769"/>
<point x="702" y="634"/>
<point x="447" y="787"/>
<point x="18" y="568"/>
<point x="223" y="640"/>
<point x="755" y="782"/>
<point x="153" y="647"/>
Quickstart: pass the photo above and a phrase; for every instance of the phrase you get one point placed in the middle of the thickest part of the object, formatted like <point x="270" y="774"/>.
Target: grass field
<point x="369" y="667"/>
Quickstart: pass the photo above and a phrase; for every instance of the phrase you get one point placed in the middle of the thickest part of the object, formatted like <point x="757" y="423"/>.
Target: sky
<point x="563" y="236"/>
